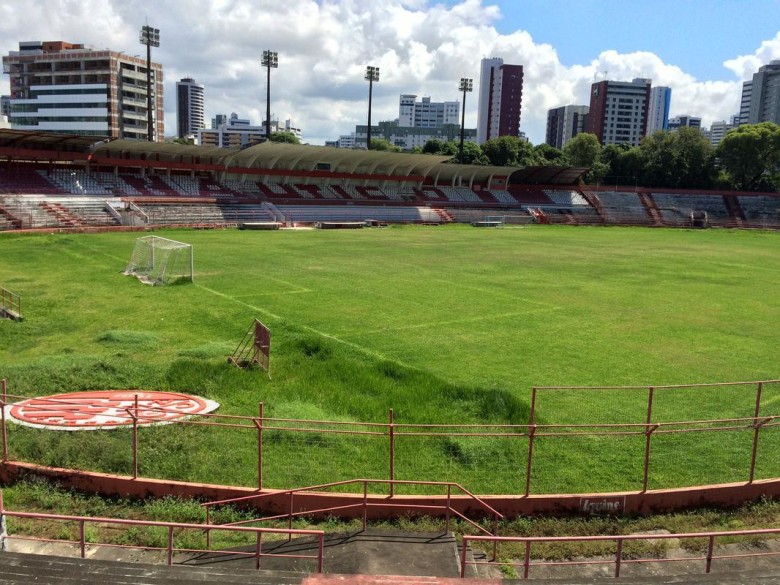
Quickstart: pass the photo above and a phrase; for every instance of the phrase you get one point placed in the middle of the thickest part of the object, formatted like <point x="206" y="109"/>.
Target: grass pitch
<point x="444" y="325"/>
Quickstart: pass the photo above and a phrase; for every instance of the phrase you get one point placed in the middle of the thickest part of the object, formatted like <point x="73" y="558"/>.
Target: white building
<point x="425" y="113"/>
<point x="684" y="121"/>
<point x="189" y="107"/>
<point x="658" y="111"/>
<point x="240" y="132"/>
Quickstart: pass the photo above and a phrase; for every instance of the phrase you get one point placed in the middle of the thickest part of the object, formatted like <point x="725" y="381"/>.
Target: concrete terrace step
<point x="33" y="568"/>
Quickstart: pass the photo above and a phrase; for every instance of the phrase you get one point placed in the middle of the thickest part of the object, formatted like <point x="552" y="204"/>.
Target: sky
<point x="702" y="49"/>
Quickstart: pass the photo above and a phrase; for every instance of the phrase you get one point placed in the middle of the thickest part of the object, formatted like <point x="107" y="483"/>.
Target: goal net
<point x="157" y="260"/>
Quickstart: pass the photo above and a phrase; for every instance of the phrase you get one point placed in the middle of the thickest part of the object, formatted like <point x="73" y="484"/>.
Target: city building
<point x="218" y="120"/>
<point x="425" y="113"/>
<point x="500" y="99"/>
<point x="761" y="96"/>
<point x="69" y="88"/>
<point x="5" y="105"/>
<point x="408" y="137"/>
<point x="618" y="111"/>
<point x="684" y="122"/>
<point x="189" y="107"/>
<point x="658" y="111"/>
<point x="720" y="128"/>
<point x="565" y="123"/>
<point x="240" y="132"/>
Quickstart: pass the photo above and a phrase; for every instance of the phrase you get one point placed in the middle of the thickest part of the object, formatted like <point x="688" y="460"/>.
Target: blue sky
<point x="696" y="35"/>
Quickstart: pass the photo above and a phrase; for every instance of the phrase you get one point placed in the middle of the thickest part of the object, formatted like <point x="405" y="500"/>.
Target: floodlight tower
<point x="372" y="75"/>
<point x="466" y="85"/>
<point x="270" y="60"/>
<point x="150" y="37"/>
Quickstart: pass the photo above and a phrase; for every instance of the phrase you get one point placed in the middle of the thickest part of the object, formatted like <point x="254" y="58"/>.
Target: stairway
<point x="61" y="213"/>
<point x="652" y="209"/>
<point x="735" y="210"/>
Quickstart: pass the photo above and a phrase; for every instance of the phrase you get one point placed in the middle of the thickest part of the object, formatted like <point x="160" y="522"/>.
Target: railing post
<point x="756" y="431"/>
<point x="320" y="553"/>
<point x="135" y="437"/>
<point x="83" y="539"/>
<point x="258" y="549"/>
<point x="365" y="504"/>
<point x="648" y="438"/>
<point x="463" y="557"/>
<point x="531" y="432"/>
<point x="259" y="423"/>
<point x="449" y="504"/>
<point x="208" y="530"/>
<point x="391" y="426"/>
<point x="527" y="559"/>
<point x="170" y="545"/>
<point x="289" y="520"/>
<point x="4" y="385"/>
<point x="710" y="547"/>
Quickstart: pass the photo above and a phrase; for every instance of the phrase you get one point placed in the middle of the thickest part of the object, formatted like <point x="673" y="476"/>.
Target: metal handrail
<point x="618" y="560"/>
<point x="171" y="526"/>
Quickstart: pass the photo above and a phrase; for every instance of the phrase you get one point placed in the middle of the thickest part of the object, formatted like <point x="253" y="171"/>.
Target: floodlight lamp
<point x="372" y="73"/>
<point x="150" y="36"/>
<point x="270" y="59"/>
<point x="466" y="84"/>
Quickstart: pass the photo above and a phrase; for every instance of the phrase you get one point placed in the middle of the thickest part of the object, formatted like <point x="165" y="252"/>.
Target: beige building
<point x="70" y="88"/>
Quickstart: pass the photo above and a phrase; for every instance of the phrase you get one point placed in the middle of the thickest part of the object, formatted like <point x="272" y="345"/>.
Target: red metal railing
<point x="171" y="527"/>
<point x="618" y="561"/>
<point x="401" y="448"/>
<point x="445" y="509"/>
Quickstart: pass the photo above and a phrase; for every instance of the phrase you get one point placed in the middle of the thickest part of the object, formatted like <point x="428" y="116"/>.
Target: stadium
<point x="514" y="343"/>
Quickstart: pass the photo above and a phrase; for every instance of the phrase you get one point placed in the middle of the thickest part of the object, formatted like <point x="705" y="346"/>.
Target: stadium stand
<point x="760" y="210"/>
<point x="676" y="209"/>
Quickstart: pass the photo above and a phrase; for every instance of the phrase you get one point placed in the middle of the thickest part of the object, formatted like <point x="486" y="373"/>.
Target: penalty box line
<point x="350" y="344"/>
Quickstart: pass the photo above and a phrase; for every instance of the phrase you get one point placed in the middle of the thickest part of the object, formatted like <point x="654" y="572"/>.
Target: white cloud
<point x="421" y="47"/>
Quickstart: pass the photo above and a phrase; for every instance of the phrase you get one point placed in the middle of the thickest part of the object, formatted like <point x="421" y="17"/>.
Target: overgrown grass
<point x="447" y="325"/>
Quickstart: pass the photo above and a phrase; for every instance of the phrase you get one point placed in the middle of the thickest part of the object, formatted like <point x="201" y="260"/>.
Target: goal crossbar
<point x="156" y="260"/>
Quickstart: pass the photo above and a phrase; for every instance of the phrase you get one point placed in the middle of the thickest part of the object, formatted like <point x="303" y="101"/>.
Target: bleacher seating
<point x="529" y="195"/>
<point x="760" y="210"/>
<point x="676" y="208"/>
<point x="566" y="198"/>
<point x="310" y="214"/>
<point x="622" y="208"/>
<point x="460" y="194"/>
<point x="74" y="181"/>
<point x="23" y="180"/>
<point x="503" y="196"/>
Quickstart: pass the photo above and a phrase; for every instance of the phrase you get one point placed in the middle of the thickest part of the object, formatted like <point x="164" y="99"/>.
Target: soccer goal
<point x="157" y="260"/>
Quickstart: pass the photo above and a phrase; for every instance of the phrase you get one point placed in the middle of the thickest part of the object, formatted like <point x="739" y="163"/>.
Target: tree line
<point x="747" y="159"/>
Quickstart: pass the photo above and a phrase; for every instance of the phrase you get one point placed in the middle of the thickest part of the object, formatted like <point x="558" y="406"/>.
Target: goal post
<point x="158" y="261"/>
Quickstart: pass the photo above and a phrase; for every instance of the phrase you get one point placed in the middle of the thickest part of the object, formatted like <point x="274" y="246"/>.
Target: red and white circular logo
<point x="107" y="409"/>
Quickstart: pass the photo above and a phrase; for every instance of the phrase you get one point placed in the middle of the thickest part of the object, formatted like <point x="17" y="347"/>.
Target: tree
<point x="472" y="153"/>
<point x="680" y="159"/>
<point x="583" y="150"/>
<point x="506" y="151"/>
<point x="433" y="146"/>
<point x="384" y="145"/>
<point x="287" y="137"/>
<point x="750" y="154"/>
<point x="549" y="155"/>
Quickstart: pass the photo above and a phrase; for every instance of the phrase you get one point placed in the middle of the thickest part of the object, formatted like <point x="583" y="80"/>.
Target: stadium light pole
<point x="466" y="85"/>
<point x="372" y="75"/>
<point x="270" y="60"/>
<point x="150" y="37"/>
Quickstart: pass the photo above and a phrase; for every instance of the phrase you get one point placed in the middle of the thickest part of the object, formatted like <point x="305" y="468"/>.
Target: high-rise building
<point x="684" y="122"/>
<point x="565" y="123"/>
<point x="189" y="107"/>
<point x="658" y="111"/>
<point x="618" y="111"/>
<point x="720" y="128"/>
<point x="425" y="113"/>
<point x="218" y="120"/>
<point x="761" y="96"/>
<point x="500" y="99"/>
<point x="67" y="88"/>
<point x="5" y="105"/>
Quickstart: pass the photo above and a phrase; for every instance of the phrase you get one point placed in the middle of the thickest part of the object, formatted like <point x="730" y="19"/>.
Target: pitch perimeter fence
<point x="634" y="438"/>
